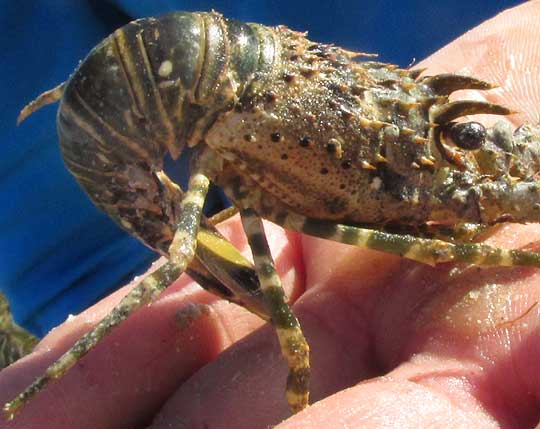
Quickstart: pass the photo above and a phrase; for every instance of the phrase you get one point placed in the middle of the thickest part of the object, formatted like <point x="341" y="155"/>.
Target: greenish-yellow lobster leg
<point x="291" y="339"/>
<point x="426" y="250"/>
<point x="182" y="252"/>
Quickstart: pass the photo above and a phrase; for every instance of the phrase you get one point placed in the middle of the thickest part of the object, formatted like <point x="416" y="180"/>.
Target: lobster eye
<point x="468" y="135"/>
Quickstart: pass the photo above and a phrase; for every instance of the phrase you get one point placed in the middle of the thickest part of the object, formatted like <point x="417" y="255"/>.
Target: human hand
<point x="394" y="343"/>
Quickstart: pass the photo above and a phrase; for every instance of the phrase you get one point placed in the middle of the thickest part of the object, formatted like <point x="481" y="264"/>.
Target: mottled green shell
<point x="148" y="89"/>
<point x="326" y="135"/>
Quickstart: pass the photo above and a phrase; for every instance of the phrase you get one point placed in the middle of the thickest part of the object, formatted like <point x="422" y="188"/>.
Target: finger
<point x="464" y="349"/>
<point x="388" y="403"/>
<point x="126" y="377"/>
<point x="327" y="261"/>
<point x="457" y="345"/>
<point x="450" y="335"/>
<point x="467" y="331"/>
<point x="124" y="380"/>
<point x="245" y="386"/>
<point x="251" y="375"/>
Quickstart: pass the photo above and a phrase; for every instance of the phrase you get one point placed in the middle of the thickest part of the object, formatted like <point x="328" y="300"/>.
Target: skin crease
<point x="394" y="343"/>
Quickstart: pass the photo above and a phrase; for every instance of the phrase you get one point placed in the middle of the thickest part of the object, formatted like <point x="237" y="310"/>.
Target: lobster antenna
<point x="48" y="97"/>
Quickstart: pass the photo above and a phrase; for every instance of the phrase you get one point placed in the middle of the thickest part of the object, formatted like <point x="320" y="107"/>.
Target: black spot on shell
<point x="340" y="88"/>
<point x="324" y="170"/>
<point x="336" y="205"/>
<point x="275" y="137"/>
<point x="284" y="156"/>
<point x="346" y="164"/>
<point x="331" y="147"/>
<point x="388" y="83"/>
<point x="322" y="54"/>
<point x="288" y="77"/>
<point x="358" y="90"/>
<point x="307" y="72"/>
<point x="304" y="142"/>
<point x="270" y="97"/>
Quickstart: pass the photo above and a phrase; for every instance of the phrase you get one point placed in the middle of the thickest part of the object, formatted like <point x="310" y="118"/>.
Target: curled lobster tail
<point x="149" y="89"/>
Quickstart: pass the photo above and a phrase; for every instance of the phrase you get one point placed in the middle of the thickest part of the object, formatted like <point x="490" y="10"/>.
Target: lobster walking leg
<point x="425" y="250"/>
<point x="293" y="344"/>
<point x="182" y="252"/>
<point x="140" y="295"/>
<point x="460" y="233"/>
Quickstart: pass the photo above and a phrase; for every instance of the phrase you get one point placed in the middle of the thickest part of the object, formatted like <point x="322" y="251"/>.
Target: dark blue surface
<point x="59" y="253"/>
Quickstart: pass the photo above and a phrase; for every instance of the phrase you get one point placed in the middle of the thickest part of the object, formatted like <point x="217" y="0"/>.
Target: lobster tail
<point x="147" y="90"/>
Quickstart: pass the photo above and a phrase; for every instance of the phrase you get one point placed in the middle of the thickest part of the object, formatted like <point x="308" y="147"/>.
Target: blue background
<point x="59" y="253"/>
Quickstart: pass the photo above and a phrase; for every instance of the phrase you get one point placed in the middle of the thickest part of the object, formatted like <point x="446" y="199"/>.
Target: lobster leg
<point x="182" y="253"/>
<point x="425" y="250"/>
<point x="140" y="295"/>
<point x="294" y="346"/>
<point x="459" y="233"/>
<point x="222" y="270"/>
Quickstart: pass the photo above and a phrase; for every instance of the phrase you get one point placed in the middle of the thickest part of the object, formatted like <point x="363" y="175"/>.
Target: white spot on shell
<point x="165" y="68"/>
<point x="376" y="183"/>
<point x="166" y="84"/>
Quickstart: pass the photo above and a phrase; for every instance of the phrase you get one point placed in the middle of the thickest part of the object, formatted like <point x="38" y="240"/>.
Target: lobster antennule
<point x="446" y="83"/>
<point x="450" y="111"/>
<point x="48" y="97"/>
